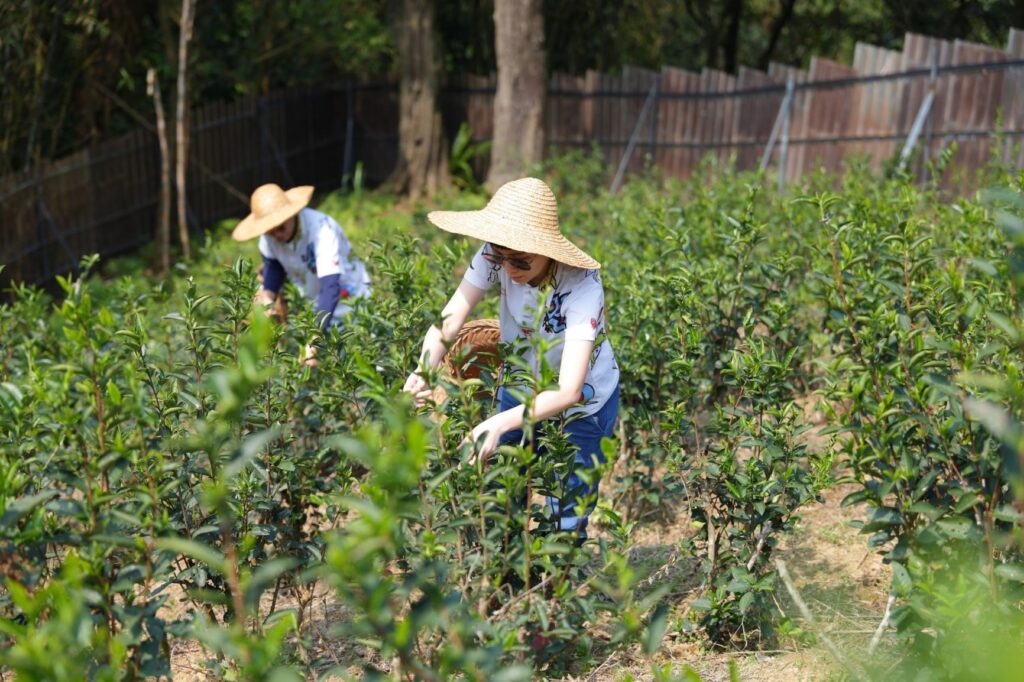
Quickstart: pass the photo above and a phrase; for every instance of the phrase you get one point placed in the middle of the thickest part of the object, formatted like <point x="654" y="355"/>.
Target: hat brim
<point x="511" y="234"/>
<point x="252" y="226"/>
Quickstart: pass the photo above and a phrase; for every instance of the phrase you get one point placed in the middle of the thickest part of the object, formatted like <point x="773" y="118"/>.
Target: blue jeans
<point x="585" y="433"/>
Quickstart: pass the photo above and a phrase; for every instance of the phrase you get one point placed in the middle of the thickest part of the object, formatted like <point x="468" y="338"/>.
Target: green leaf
<point x="701" y="604"/>
<point x="195" y="550"/>
<point x="966" y="502"/>
<point x="514" y="673"/>
<point x="1005" y="324"/>
<point x="881" y="517"/>
<point x="251" y="447"/>
<point x="856" y="497"/>
<point x="23" y="505"/>
<point x="956" y="527"/>
<point x="1009" y="513"/>
<point x="902" y="584"/>
<point x="1013" y="572"/>
<point x="995" y="418"/>
<point x="264" y="576"/>
<point x="113" y="393"/>
<point x="11" y="396"/>
<point x="656" y="629"/>
<point x="737" y="585"/>
<point x="746" y="601"/>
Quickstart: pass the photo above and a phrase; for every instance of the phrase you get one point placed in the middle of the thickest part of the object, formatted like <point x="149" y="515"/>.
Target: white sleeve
<point x="482" y="274"/>
<point x="328" y="249"/>
<point x="344" y="247"/>
<point x="584" y="309"/>
<point x="265" y="247"/>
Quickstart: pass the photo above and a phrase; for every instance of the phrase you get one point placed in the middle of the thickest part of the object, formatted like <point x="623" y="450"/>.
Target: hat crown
<point x="522" y="215"/>
<point x="529" y="201"/>
<point x="267" y="199"/>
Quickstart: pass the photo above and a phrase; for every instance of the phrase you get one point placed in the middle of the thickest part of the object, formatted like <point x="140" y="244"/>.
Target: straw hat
<point x="522" y="215"/>
<point x="271" y="206"/>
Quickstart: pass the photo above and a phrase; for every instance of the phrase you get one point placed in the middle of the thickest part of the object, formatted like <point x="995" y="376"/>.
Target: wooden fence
<point x="103" y="200"/>
<point x="975" y="93"/>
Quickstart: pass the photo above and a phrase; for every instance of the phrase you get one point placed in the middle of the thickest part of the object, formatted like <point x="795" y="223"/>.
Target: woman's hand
<point x="417" y="387"/>
<point x="491" y="432"/>
<point x="265" y="297"/>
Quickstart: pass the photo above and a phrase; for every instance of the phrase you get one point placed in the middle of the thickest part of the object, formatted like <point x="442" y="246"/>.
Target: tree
<point x="163" y="220"/>
<point x="778" y="23"/>
<point x="181" y="122"/>
<point x="522" y="90"/>
<point x="422" y="151"/>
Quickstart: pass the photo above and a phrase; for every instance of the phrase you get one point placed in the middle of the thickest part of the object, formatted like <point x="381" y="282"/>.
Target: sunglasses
<point x="280" y="229"/>
<point x="516" y="262"/>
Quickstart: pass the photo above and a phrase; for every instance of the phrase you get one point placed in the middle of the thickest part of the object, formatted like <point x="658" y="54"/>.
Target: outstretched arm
<point x="273" y="279"/>
<point x="436" y="340"/>
<point x="571" y="373"/>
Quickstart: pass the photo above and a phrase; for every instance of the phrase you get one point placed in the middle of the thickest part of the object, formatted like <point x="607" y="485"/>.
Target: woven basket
<point x="476" y="348"/>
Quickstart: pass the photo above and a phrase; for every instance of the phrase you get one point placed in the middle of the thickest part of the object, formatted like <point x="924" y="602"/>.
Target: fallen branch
<point x="518" y="598"/>
<point x="593" y="675"/>
<point x="664" y="569"/>
<point x="806" y="614"/>
<point x="881" y="626"/>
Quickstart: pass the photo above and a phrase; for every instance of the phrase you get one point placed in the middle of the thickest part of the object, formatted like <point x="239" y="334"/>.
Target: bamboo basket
<point x="476" y="349"/>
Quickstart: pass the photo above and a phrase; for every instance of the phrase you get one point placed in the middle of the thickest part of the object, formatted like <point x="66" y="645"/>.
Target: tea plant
<point x="170" y="470"/>
<point x="912" y="316"/>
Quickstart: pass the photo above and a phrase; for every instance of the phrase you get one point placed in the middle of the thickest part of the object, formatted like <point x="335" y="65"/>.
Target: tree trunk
<point x="181" y="125"/>
<point x="779" y="23"/>
<point x="732" y="35"/>
<point x="422" y="150"/>
<point x="522" y="89"/>
<point x="164" y="205"/>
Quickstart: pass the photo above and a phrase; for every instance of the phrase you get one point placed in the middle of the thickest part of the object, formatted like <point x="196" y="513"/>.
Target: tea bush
<point x="169" y="470"/>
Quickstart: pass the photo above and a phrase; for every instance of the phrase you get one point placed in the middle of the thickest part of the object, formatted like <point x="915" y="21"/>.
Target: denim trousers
<point x="585" y="432"/>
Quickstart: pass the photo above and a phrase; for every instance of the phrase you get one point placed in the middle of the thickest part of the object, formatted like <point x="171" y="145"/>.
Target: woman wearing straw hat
<point x="308" y="247"/>
<point x="525" y="253"/>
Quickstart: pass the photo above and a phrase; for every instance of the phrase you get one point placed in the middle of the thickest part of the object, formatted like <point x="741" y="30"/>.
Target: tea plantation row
<point x="170" y="471"/>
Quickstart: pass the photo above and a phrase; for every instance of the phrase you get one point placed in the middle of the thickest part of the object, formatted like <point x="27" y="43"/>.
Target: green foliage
<point x="169" y="470"/>
<point x="63" y="59"/>
<point x="607" y="35"/>
<point x="460" y="161"/>
<point x="975" y="634"/>
<point x="917" y="326"/>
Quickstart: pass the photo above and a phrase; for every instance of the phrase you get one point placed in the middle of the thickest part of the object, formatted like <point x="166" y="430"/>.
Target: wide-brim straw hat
<point x="522" y="215"/>
<point x="271" y="206"/>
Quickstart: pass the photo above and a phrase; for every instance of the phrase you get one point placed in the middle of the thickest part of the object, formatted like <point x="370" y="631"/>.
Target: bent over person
<point x="525" y="254"/>
<point x="306" y="246"/>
